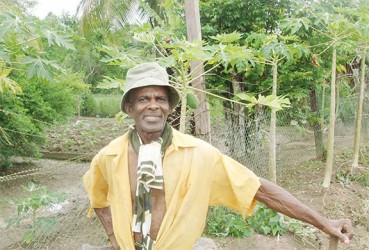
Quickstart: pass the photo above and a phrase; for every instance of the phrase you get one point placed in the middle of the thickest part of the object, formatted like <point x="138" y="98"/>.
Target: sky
<point x="55" y="6"/>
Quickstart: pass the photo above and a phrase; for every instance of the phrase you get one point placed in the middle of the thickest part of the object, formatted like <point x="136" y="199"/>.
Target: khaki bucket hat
<point x="148" y="74"/>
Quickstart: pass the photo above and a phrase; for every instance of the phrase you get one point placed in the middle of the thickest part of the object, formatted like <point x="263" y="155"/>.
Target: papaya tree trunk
<point x="201" y="114"/>
<point x="332" y="121"/>
<point x="359" y="113"/>
<point x="182" y="119"/>
<point x="317" y="126"/>
<point x="272" y="132"/>
<point x="323" y="104"/>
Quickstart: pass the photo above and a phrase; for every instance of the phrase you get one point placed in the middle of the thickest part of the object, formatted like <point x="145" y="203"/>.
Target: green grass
<point x="107" y="105"/>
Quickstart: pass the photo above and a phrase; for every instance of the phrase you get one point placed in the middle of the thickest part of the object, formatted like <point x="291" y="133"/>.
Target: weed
<point x="363" y="178"/>
<point x="28" y="208"/>
<point x="313" y="164"/>
<point x="225" y="222"/>
<point x="266" y="221"/>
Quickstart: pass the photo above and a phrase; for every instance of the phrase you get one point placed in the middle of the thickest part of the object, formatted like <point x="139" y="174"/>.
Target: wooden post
<point x="202" y="114"/>
<point x="333" y="243"/>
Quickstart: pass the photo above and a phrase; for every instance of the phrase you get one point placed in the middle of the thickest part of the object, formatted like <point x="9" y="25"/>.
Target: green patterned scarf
<point x="149" y="175"/>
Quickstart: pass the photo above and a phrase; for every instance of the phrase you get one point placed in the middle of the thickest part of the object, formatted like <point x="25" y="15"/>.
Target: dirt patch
<point x="83" y="135"/>
<point x="344" y="198"/>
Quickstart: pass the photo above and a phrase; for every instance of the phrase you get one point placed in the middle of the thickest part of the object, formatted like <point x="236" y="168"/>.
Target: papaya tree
<point x="362" y="39"/>
<point x="326" y="31"/>
<point x="338" y="30"/>
<point x="274" y="50"/>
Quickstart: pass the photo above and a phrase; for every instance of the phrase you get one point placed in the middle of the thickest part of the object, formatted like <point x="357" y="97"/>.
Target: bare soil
<point x="344" y="197"/>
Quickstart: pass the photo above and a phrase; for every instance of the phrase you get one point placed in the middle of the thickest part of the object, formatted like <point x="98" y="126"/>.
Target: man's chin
<point x="154" y="128"/>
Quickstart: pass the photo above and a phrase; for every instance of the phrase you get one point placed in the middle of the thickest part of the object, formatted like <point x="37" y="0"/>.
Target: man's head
<point x="148" y="74"/>
<point x="149" y="98"/>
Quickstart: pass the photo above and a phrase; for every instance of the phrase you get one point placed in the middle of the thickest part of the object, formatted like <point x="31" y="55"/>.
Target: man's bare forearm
<point x="104" y="215"/>
<point x="278" y="199"/>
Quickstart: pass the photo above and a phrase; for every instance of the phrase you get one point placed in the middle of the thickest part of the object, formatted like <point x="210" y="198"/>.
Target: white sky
<point x="55" y="6"/>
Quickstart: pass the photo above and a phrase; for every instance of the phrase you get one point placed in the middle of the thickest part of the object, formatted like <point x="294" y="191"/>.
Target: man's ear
<point x="127" y="107"/>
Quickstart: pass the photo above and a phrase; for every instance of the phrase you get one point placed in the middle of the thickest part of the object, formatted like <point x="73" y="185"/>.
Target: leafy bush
<point x="24" y="115"/>
<point x="266" y="221"/>
<point x="88" y="106"/>
<point x="18" y="134"/>
<point x="225" y="222"/>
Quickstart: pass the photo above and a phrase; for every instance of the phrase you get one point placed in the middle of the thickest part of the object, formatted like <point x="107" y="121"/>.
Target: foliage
<point x="29" y="207"/>
<point x="35" y="91"/>
<point x="18" y="132"/>
<point x="266" y="221"/>
<point x="22" y="44"/>
<point x="247" y="16"/>
<point x="105" y="105"/>
<point x="24" y="115"/>
<point x="224" y="222"/>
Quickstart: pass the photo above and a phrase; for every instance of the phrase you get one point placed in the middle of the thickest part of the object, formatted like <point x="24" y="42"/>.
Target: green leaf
<point x="245" y="97"/>
<point x="59" y="39"/>
<point x="111" y="83"/>
<point x="40" y="68"/>
<point x="228" y="38"/>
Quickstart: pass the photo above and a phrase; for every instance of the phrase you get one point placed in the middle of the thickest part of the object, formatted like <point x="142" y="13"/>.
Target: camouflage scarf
<point x="149" y="175"/>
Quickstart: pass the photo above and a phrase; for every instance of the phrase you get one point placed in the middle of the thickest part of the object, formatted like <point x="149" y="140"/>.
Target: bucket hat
<point x="148" y="74"/>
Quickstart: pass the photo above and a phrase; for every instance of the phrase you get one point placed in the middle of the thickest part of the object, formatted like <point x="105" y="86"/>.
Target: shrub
<point x="24" y="115"/>
<point x="19" y="134"/>
<point x="225" y="222"/>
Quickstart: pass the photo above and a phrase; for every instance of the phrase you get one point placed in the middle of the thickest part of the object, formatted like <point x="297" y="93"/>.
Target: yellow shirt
<point x="196" y="176"/>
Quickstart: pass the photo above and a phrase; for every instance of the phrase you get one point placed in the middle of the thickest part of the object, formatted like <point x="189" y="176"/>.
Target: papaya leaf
<point x="40" y="68"/>
<point x="59" y="39"/>
<point x="111" y="83"/>
<point x="228" y="38"/>
<point x="6" y="82"/>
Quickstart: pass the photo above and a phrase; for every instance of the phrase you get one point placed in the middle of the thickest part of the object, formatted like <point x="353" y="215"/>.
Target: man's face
<point x="149" y="108"/>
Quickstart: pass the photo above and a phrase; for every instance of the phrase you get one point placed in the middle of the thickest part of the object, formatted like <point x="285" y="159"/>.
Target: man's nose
<point x="153" y="104"/>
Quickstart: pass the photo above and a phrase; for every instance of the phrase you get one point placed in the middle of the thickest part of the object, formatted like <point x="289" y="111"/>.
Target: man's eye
<point x="162" y="99"/>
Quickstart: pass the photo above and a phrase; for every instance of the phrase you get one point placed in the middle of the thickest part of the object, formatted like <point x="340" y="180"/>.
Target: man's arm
<point x="278" y="199"/>
<point x="104" y="215"/>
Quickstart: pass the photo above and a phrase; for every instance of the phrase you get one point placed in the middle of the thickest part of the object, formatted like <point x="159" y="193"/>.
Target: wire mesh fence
<point x="246" y="140"/>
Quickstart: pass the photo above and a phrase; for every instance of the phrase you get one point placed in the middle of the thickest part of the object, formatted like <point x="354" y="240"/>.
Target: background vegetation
<point x="266" y="65"/>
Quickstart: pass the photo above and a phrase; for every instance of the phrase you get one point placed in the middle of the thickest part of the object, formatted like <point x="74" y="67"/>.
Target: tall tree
<point x="338" y="29"/>
<point x="362" y="29"/>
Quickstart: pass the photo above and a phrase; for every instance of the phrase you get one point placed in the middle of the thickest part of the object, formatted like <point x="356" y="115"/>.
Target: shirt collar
<point x="179" y="140"/>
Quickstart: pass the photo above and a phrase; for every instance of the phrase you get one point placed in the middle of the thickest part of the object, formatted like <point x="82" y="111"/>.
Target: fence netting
<point x="243" y="138"/>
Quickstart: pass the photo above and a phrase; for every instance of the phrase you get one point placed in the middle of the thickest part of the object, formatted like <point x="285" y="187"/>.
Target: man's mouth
<point x="152" y="118"/>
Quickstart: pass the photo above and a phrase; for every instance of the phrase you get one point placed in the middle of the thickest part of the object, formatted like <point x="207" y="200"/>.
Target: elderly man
<point x="151" y="187"/>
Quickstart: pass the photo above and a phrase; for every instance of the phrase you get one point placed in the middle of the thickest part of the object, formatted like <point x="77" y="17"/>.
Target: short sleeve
<point x="233" y="186"/>
<point x="96" y="185"/>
